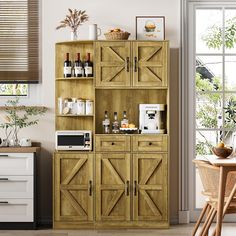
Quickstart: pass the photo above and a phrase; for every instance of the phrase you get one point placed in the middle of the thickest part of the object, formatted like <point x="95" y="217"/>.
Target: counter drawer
<point x="110" y="143"/>
<point x="150" y="143"/>
<point x="16" y="163"/>
<point x="16" y="210"/>
<point x="16" y="186"/>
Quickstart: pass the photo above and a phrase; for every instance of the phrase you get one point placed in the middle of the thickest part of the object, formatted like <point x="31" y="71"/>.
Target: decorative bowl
<point x="222" y="152"/>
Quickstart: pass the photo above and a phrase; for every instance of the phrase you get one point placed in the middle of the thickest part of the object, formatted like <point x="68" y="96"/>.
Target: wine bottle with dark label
<point x="78" y="67"/>
<point x="67" y="66"/>
<point x="88" y="67"/>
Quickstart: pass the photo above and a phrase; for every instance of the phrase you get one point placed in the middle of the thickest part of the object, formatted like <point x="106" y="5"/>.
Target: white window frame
<point x="187" y="173"/>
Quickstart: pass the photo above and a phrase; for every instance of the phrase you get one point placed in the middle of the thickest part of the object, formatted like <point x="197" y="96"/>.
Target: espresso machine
<point x="151" y="118"/>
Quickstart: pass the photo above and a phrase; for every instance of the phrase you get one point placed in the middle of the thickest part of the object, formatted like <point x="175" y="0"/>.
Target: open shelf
<point x="71" y="115"/>
<point x="74" y="78"/>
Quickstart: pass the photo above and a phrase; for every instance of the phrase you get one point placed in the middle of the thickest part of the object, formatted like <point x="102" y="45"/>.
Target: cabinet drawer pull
<point x="127" y="188"/>
<point x="112" y="143"/>
<point x="135" y="64"/>
<point x="127" y="64"/>
<point x="150" y="143"/>
<point x="135" y="188"/>
<point x="90" y="188"/>
<point x="4" y="202"/>
<point x="4" y="179"/>
<point x="4" y="155"/>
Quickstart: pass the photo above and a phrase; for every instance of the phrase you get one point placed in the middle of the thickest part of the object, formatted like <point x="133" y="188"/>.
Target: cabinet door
<point x="150" y="64"/>
<point x="112" y="187"/>
<point x="113" y="64"/>
<point x="73" y="185"/>
<point x="150" y="187"/>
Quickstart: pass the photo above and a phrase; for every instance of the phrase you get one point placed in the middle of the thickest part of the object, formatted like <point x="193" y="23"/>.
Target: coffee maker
<point x="151" y="118"/>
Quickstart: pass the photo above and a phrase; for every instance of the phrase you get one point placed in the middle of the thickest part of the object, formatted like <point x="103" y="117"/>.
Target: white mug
<point x="94" y="32"/>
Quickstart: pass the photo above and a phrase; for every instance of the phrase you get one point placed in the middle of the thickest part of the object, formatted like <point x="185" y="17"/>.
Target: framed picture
<point x="150" y="27"/>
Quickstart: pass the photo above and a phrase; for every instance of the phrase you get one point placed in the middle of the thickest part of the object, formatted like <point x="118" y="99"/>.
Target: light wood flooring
<point x="178" y="230"/>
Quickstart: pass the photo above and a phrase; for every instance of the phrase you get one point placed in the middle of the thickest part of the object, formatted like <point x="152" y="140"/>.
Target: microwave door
<point x="71" y="141"/>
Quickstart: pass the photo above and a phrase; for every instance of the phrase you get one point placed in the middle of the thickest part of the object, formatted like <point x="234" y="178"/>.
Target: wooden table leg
<point x="221" y="195"/>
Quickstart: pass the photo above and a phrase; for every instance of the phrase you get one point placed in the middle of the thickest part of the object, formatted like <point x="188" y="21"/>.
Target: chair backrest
<point x="210" y="176"/>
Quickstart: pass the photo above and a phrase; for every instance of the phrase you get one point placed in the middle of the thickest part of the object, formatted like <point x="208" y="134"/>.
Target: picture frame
<point x="150" y="27"/>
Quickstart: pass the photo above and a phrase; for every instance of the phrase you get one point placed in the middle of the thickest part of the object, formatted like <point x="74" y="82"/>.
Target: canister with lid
<point x="89" y="107"/>
<point x="80" y="107"/>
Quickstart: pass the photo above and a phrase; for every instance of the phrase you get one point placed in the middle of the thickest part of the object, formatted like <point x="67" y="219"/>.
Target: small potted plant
<point x="74" y="19"/>
<point x="18" y="117"/>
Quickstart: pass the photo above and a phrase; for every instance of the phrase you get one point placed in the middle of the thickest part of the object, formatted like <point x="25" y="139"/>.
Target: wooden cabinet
<point x="150" y="64"/>
<point x="123" y="181"/>
<point x="132" y="186"/>
<point x="150" y="180"/>
<point x="113" y="187"/>
<point x="113" y="64"/>
<point x="138" y="64"/>
<point x="74" y="187"/>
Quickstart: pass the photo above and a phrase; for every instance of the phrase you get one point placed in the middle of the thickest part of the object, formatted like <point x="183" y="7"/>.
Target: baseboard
<point x="45" y="222"/>
<point x="184" y="217"/>
<point x="174" y="220"/>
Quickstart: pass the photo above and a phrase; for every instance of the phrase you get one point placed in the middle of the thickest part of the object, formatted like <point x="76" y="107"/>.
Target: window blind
<point x="19" y="41"/>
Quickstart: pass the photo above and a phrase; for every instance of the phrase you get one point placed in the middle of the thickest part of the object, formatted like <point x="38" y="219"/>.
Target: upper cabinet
<point x="134" y="63"/>
<point x="113" y="64"/>
<point x="150" y="64"/>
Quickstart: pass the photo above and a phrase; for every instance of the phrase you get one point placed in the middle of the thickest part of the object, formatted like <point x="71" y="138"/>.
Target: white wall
<point x="107" y="14"/>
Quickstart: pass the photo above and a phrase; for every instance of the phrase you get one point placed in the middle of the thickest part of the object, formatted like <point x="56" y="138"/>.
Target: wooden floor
<point x="180" y="230"/>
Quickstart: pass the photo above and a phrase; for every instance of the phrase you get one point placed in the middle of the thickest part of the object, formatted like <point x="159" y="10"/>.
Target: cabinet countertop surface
<point x="19" y="149"/>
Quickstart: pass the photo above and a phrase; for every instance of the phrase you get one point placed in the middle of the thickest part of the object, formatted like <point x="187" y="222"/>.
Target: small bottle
<point x="88" y="67"/>
<point x="78" y="67"/>
<point x="124" y="122"/>
<point x="115" y="124"/>
<point x="106" y="124"/>
<point x="67" y="66"/>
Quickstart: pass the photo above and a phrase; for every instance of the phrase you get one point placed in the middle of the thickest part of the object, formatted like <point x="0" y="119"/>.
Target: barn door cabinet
<point x="131" y="185"/>
<point x="131" y="64"/>
<point x="123" y="181"/>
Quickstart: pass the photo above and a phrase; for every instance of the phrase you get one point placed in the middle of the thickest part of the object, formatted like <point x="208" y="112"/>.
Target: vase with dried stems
<point x="73" y="20"/>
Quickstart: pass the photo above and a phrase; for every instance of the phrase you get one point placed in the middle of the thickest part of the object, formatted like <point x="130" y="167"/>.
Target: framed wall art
<point x="150" y="27"/>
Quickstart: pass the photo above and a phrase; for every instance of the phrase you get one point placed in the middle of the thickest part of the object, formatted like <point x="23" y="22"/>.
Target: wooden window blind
<point x="19" y="41"/>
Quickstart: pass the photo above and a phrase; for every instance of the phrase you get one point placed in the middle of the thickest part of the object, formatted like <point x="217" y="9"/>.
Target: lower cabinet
<point x="150" y="188"/>
<point x="73" y="189"/>
<point x="131" y="188"/>
<point x="111" y="189"/>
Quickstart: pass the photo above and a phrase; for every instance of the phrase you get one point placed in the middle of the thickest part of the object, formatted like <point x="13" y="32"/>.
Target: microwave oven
<point x="80" y="140"/>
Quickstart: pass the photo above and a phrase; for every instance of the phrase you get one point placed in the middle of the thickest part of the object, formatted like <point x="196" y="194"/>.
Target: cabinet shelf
<point x="71" y="115"/>
<point x="74" y="78"/>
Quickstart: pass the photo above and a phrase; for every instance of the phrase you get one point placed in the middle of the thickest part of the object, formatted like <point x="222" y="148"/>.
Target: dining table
<point x="226" y="165"/>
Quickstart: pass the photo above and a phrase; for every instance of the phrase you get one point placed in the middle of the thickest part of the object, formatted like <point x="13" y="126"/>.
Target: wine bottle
<point x="115" y="124"/>
<point x="124" y="122"/>
<point x="78" y="67"/>
<point x="88" y="67"/>
<point x="106" y="124"/>
<point x="67" y="67"/>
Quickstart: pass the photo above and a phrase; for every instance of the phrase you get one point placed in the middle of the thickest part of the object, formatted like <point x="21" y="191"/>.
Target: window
<point x="19" y="42"/>
<point x="211" y="84"/>
<point x="14" y="89"/>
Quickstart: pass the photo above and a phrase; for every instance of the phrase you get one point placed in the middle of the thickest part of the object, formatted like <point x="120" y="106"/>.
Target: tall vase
<point x="14" y="141"/>
<point x="74" y="35"/>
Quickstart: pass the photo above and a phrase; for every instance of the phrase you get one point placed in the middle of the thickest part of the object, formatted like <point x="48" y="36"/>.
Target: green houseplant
<point x="18" y="117"/>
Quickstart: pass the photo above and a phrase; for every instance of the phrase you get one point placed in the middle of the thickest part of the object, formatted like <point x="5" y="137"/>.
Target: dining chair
<point x="209" y="176"/>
